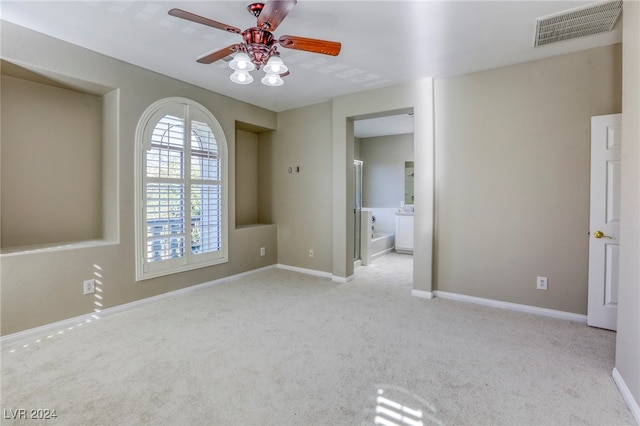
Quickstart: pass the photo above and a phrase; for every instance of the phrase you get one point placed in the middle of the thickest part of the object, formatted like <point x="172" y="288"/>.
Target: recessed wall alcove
<point x="59" y="160"/>
<point x="252" y="175"/>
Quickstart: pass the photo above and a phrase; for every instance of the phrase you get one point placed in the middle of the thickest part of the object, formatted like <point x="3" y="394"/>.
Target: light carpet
<point x="284" y="348"/>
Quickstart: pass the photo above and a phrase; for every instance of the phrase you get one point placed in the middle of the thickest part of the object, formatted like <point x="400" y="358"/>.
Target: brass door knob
<point x="600" y="234"/>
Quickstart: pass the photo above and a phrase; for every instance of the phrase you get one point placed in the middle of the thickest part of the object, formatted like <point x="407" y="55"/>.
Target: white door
<point x="606" y="135"/>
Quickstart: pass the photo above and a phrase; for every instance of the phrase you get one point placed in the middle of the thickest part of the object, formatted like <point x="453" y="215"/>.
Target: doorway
<point x="386" y="144"/>
<point x="416" y="97"/>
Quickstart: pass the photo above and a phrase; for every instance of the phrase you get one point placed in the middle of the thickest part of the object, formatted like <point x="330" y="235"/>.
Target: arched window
<point x="181" y="189"/>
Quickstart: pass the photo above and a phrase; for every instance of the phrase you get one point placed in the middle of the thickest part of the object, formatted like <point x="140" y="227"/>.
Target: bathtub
<point x="374" y="241"/>
<point x="381" y="244"/>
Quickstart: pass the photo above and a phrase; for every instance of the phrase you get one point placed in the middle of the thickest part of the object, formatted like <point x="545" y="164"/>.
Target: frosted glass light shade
<point x="241" y="77"/>
<point x="275" y="65"/>
<point x="241" y="62"/>
<point x="272" y="80"/>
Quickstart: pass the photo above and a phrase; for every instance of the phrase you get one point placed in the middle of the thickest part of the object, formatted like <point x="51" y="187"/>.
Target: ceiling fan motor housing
<point x="260" y="45"/>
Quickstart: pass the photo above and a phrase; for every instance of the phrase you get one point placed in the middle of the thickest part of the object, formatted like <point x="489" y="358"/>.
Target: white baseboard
<point x="343" y="280"/>
<point x="381" y="253"/>
<point x="627" y="395"/>
<point x="512" y="306"/>
<point x="316" y="273"/>
<point x="422" y="294"/>
<point x="53" y="328"/>
<point x="70" y="323"/>
<point x="305" y="271"/>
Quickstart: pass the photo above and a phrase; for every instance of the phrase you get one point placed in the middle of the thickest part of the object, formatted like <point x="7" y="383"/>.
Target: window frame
<point x="187" y="109"/>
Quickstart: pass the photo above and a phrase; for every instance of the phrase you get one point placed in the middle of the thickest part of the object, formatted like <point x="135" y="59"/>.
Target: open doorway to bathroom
<point x="383" y="168"/>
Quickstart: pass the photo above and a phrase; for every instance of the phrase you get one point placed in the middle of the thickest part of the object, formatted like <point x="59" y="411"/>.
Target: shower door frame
<point x="357" y="207"/>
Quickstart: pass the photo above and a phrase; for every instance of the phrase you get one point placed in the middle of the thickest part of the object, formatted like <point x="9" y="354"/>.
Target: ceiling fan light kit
<point x="241" y="77"/>
<point x="259" y="46"/>
<point x="241" y="62"/>
<point x="275" y="65"/>
<point x="272" y="80"/>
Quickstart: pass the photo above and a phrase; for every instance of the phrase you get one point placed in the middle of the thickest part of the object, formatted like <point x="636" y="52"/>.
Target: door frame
<point x="416" y="96"/>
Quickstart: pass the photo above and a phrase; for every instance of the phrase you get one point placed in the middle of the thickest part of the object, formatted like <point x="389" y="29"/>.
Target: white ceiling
<point x="383" y="42"/>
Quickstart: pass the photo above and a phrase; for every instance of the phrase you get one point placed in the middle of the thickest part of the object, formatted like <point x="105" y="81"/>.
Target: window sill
<point x="54" y="247"/>
<point x="254" y="225"/>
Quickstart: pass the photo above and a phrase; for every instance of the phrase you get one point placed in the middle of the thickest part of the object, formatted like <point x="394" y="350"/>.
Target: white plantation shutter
<point x="182" y="191"/>
<point x="206" y="189"/>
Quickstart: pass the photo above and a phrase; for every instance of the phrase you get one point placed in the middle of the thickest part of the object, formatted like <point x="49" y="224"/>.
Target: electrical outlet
<point x="541" y="283"/>
<point x="89" y="287"/>
<point x="310" y="252"/>
<point x="262" y="251"/>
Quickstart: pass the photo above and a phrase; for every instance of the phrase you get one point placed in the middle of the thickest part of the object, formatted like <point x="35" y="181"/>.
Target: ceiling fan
<point x="259" y="46"/>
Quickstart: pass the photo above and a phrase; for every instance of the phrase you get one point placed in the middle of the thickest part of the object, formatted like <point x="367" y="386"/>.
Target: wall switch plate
<point x="310" y="252"/>
<point x="89" y="287"/>
<point x="262" y="251"/>
<point x="541" y="283"/>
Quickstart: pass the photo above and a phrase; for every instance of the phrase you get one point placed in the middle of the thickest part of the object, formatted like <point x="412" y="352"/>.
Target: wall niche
<point x="58" y="161"/>
<point x="252" y="175"/>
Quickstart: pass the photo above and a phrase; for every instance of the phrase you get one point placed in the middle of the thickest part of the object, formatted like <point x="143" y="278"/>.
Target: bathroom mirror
<point x="408" y="183"/>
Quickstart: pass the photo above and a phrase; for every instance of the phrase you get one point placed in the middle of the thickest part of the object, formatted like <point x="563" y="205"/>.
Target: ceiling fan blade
<point x="284" y="74"/>
<point x="310" y="45"/>
<point x="210" y="58"/>
<point x="183" y="14"/>
<point x="273" y="13"/>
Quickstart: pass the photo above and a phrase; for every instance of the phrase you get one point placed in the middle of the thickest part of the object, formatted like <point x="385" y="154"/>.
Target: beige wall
<point x="51" y="164"/>
<point x="628" y="336"/>
<point x="383" y="169"/>
<point x="41" y="287"/>
<point x="265" y="183"/>
<point x="512" y="177"/>
<point x="302" y="200"/>
<point x="246" y="177"/>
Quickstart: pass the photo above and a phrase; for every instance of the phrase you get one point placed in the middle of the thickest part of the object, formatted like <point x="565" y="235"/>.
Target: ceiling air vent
<point x="588" y="20"/>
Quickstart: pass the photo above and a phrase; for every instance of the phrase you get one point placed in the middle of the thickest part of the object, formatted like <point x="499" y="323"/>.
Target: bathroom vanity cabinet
<point x="404" y="232"/>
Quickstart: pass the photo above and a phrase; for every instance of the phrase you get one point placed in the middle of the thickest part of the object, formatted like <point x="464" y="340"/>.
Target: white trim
<point x="422" y="294"/>
<point x="512" y="306"/>
<point x="317" y="273"/>
<point x="403" y="251"/>
<point x="304" y="270"/>
<point x="48" y="328"/>
<point x="626" y="395"/>
<point x="382" y="253"/>
<point x="87" y="318"/>
<point x="343" y="280"/>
